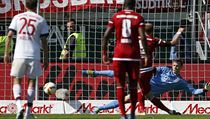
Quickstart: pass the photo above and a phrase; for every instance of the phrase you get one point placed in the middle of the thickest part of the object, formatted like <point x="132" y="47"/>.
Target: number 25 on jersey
<point x="28" y="26"/>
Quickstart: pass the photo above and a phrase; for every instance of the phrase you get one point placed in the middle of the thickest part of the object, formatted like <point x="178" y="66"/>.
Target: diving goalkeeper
<point x="165" y="79"/>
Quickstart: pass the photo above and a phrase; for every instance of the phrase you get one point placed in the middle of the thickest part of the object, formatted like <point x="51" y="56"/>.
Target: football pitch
<point x="103" y="116"/>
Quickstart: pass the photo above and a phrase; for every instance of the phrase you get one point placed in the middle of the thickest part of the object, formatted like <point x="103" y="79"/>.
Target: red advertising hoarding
<point x="69" y="75"/>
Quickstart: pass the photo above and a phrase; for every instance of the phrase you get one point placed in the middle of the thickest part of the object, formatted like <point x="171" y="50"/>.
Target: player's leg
<point x="111" y="105"/>
<point x="156" y="91"/>
<point x="144" y="83"/>
<point x="95" y="73"/>
<point x="119" y="74"/>
<point x="133" y="73"/>
<point x="109" y="73"/>
<point x="141" y="100"/>
<point x="33" y="72"/>
<point x="30" y="96"/>
<point x="17" y="96"/>
<point x="157" y="102"/>
<point x="17" y="72"/>
<point x="146" y="90"/>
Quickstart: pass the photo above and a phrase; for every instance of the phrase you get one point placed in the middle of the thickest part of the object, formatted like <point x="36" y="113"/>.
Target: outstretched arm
<point x="177" y="36"/>
<point x="189" y="88"/>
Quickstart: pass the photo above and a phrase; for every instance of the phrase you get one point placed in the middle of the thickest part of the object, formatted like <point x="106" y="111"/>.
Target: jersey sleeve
<point x="162" y="43"/>
<point x="45" y="29"/>
<point x="190" y="89"/>
<point x="13" y="24"/>
<point x="160" y="70"/>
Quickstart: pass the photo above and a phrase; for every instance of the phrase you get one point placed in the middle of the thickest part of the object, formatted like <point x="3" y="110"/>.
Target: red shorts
<point x="144" y="81"/>
<point x="121" y="67"/>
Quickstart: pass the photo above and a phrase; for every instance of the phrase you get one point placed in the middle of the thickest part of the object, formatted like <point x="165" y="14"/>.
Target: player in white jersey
<point x="30" y="28"/>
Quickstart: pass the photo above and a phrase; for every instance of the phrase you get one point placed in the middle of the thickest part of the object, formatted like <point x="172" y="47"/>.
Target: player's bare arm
<point x="45" y="49"/>
<point x="105" y="40"/>
<point x="7" y="47"/>
<point x="176" y="37"/>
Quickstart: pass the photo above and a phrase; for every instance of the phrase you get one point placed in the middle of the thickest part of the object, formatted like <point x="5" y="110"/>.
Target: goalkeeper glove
<point x="207" y="86"/>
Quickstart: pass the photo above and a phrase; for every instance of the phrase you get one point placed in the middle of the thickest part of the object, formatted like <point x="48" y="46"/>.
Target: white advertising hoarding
<point x="86" y="106"/>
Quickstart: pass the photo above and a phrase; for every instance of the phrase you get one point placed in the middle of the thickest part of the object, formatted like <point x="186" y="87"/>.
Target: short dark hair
<point x="31" y="4"/>
<point x="130" y="3"/>
<point x="73" y="20"/>
<point x="178" y="61"/>
<point x="77" y="28"/>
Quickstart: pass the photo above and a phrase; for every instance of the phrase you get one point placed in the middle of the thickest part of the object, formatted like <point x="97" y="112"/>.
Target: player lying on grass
<point x="166" y="78"/>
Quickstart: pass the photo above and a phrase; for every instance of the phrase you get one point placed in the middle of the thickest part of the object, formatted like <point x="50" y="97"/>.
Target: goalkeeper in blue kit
<point x="166" y="78"/>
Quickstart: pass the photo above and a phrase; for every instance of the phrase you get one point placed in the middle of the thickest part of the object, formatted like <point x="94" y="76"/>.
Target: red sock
<point x="159" y="104"/>
<point x="141" y="101"/>
<point x="121" y="100"/>
<point x="133" y="98"/>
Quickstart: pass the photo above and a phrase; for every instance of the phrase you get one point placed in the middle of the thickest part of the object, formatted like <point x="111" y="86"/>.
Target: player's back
<point x="126" y="23"/>
<point x="29" y="26"/>
<point x="152" y="44"/>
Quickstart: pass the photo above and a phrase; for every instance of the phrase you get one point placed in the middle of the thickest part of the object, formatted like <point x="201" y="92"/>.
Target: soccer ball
<point x="49" y="88"/>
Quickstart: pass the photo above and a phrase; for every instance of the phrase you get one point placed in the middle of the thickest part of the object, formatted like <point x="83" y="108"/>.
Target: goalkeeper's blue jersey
<point x="165" y="80"/>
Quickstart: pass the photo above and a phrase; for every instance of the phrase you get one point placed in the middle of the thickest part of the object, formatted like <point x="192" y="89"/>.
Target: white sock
<point x="17" y="95"/>
<point x="30" y="98"/>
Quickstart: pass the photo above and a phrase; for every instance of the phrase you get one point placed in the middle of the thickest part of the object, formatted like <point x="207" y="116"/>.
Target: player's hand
<point x="181" y="29"/>
<point x="6" y="59"/>
<point x="207" y="86"/>
<point x="105" y="59"/>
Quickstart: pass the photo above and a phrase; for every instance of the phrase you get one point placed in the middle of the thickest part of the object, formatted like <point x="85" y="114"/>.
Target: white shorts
<point x="31" y="68"/>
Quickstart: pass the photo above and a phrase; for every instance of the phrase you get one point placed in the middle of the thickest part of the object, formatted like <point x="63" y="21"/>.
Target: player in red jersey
<point x="147" y="73"/>
<point x="128" y="25"/>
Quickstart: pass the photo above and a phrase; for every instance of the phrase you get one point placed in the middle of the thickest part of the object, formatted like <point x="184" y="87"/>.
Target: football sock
<point x="109" y="73"/>
<point x="30" y="98"/>
<point x="121" y="101"/>
<point x="159" y="104"/>
<point x="141" y="101"/>
<point x="17" y="95"/>
<point x="31" y="94"/>
<point x="133" y="96"/>
<point x="28" y="109"/>
<point x="110" y="105"/>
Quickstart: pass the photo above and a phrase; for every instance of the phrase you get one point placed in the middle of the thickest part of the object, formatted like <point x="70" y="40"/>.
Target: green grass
<point x="88" y="116"/>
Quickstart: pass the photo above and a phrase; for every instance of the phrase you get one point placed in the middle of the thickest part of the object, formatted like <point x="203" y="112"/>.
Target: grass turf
<point x="88" y="116"/>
